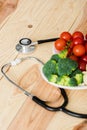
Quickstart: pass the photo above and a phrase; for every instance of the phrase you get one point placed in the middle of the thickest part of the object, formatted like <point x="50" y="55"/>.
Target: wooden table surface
<point x="37" y="19"/>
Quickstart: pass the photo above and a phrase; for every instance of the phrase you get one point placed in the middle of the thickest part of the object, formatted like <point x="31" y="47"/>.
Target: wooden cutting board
<point x="32" y="116"/>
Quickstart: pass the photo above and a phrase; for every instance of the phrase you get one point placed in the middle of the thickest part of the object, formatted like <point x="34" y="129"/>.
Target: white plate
<point x="60" y="86"/>
<point x="80" y="87"/>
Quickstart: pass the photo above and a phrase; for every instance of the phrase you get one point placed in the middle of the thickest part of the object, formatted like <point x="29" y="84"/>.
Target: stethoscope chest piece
<point x="25" y="46"/>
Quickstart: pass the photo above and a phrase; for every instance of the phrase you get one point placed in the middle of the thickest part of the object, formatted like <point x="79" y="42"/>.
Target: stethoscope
<point x="26" y="45"/>
<point x="36" y="99"/>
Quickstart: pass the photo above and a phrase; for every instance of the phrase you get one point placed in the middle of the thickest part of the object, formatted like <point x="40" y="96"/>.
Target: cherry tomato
<point x="78" y="34"/>
<point x="69" y="52"/>
<point x="85" y="47"/>
<point x="85" y="41"/>
<point x="77" y="41"/>
<point x="84" y="58"/>
<point x="78" y="50"/>
<point x="86" y="36"/>
<point x="73" y="57"/>
<point x="71" y="44"/>
<point x="66" y="36"/>
<point x="60" y="44"/>
<point x="82" y="65"/>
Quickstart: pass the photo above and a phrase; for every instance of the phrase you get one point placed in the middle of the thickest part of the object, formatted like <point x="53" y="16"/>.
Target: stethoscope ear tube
<point x="61" y="108"/>
<point x="74" y="114"/>
<point x="46" y="40"/>
<point x="47" y="107"/>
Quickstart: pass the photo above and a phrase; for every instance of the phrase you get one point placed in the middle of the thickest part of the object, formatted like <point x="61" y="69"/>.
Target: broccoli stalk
<point x="63" y="53"/>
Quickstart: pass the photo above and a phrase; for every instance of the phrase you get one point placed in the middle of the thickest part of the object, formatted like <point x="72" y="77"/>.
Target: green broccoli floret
<point x="78" y="75"/>
<point x="62" y="70"/>
<point x="62" y="54"/>
<point x="72" y="82"/>
<point x="77" y="71"/>
<point x="66" y="81"/>
<point x="55" y="57"/>
<point x="66" y="66"/>
<point x="79" y="78"/>
<point x="53" y="78"/>
<point x="49" y="68"/>
<point x="61" y="80"/>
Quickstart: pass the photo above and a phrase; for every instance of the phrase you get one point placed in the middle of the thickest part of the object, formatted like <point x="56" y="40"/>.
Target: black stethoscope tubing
<point x="29" y="41"/>
<point x="39" y="101"/>
<point x="61" y="108"/>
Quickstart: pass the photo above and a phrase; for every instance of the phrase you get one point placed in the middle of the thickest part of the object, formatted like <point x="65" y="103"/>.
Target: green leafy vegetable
<point x="62" y="70"/>
<point x="66" y="66"/>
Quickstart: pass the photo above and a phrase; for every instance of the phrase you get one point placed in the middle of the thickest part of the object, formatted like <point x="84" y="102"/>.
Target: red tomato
<point x="78" y="50"/>
<point x="66" y="36"/>
<point x="86" y="47"/>
<point x="78" y="34"/>
<point x="84" y="58"/>
<point x="82" y="65"/>
<point x="85" y="41"/>
<point x="69" y="52"/>
<point x="77" y="41"/>
<point x="60" y="44"/>
<point x="86" y="36"/>
<point x="71" y="44"/>
<point x="73" y="57"/>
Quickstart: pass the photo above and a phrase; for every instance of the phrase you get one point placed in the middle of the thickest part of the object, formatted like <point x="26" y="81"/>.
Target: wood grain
<point x="81" y="126"/>
<point x="6" y="8"/>
<point x="31" y="115"/>
<point x="37" y="20"/>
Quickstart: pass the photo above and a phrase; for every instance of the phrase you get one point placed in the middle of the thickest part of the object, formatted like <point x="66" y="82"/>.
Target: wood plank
<point x="81" y="21"/>
<point x="82" y="126"/>
<point x="23" y="118"/>
<point x="35" y="18"/>
<point x="48" y="19"/>
<point x="39" y="88"/>
<point x="6" y="8"/>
